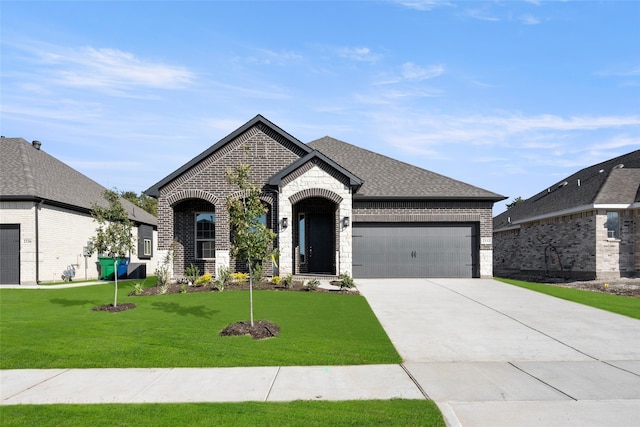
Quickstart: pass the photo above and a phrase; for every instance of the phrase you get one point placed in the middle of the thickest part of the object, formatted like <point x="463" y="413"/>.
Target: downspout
<point x="38" y="205"/>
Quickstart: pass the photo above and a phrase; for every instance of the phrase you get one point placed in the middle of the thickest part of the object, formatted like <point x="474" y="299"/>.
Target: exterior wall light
<point x="345" y="221"/>
<point x="285" y="222"/>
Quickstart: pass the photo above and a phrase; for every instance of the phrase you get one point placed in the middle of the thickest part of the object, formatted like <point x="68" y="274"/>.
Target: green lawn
<point x="56" y="328"/>
<point x="626" y="306"/>
<point x="299" y="413"/>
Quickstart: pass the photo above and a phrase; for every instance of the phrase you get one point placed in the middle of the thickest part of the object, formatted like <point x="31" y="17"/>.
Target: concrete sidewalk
<point x="179" y="385"/>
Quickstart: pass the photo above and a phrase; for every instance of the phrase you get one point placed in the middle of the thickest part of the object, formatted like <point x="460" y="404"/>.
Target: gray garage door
<point x="9" y="254"/>
<point x="415" y="250"/>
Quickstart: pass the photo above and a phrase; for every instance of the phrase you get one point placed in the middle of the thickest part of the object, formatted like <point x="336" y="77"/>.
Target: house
<point x="45" y="218"/>
<point x="586" y="226"/>
<point x="336" y="208"/>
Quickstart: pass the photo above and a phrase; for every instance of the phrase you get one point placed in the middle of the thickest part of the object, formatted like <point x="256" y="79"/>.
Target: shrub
<point x="192" y="273"/>
<point x="275" y="280"/>
<point x="346" y="281"/>
<point x="313" y="284"/>
<point x="224" y="275"/>
<point x="137" y="288"/>
<point x="183" y="288"/>
<point x="258" y="273"/>
<point x="287" y="281"/>
<point x="203" y="280"/>
<point x="240" y="277"/>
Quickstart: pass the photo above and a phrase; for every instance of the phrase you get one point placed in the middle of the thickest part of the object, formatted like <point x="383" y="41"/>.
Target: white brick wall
<point x="62" y="236"/>
<point x="314" y="178"/>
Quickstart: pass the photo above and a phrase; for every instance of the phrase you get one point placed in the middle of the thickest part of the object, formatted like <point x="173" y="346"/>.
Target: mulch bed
<point x="261" y="329"/>
<point x="629" y="287"/>
<point x="116" y="309"/>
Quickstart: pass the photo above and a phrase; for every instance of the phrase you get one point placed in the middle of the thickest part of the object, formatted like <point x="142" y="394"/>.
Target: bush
<point x="346" y="281"/>
<point x="275" y="280"/>
<point x="258" y="273"/>
<point x="192" y="273"/>
<point x="287" y="281"/>
<point x="313" y="284"/>
<point x="183" y="288"/>
<point x="137" y="288"/>
<point x="203" y="280"/>
<point x="240" y="277"/>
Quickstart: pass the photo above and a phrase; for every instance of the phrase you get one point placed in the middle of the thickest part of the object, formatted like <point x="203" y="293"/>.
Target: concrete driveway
<point x="492" y="354"/>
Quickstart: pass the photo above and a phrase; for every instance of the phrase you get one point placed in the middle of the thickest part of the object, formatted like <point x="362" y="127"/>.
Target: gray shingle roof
<point x="27" y="173"/>
<point x="603" y="183"/>
<point x="385" y="177"/>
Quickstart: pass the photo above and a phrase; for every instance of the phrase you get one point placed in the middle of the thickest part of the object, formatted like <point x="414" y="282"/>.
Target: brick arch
<point x="315" y="192"/>
<point x="192" y="194"/>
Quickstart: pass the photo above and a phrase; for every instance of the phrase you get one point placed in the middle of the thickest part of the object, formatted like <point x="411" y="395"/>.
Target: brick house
<point x="586" y="226"/>
<point x="45" y="218"/>
<point x="336" y="208"/>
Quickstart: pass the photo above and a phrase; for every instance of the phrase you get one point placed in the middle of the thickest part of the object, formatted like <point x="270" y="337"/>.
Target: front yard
<point x="56" y="328"/>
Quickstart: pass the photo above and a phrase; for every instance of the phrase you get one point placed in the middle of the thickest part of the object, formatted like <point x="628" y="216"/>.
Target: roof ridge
<point x="26" y="166"/>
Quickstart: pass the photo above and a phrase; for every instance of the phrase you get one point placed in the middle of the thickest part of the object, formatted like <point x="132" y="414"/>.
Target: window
<point x="147" y="247"/>
<point x="205" y="235"/>
<point x="301" y="238"/>
<point x="613" y="225"/>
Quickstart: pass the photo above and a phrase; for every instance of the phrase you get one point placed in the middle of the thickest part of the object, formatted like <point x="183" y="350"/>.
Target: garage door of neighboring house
<point x="9" y="254"/>
<point x="415" y="250"/>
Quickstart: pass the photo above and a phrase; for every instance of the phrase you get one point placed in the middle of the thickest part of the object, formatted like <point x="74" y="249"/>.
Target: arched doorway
<point x="314" y="236"/>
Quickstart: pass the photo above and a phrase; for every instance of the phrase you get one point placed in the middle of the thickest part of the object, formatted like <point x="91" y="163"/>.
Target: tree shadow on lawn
<point x="72" y="302"/>
<point x="175" y="308"/>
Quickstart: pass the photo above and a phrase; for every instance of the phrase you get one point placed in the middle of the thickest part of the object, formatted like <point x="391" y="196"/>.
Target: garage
<point x="413" y="250"/>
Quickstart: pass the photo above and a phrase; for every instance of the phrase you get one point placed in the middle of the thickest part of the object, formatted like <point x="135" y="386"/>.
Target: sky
<point x="508" y="96"/>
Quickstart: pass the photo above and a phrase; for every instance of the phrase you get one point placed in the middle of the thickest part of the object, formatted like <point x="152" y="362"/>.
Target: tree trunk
<point x="251" y="292"/>
<point x="115" y="275"/>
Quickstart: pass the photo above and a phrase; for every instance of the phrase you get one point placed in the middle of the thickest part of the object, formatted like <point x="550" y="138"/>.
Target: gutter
<point x="38" y="205"/>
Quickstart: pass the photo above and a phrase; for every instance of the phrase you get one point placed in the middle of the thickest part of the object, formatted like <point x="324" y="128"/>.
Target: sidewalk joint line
<point x="618" y="367"/>
<point x="273" y="381"/>
<point x="36" y="385"/>
<point x="543" y="382"/>
<point x="417" y="384"/>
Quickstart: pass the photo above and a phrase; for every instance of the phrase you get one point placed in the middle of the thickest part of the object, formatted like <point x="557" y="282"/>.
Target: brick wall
<point x="267" y="153"/>
<point x="574" y="246"/>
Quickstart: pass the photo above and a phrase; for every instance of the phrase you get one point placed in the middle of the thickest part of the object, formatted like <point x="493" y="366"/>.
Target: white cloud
<point x="528" y="19"/>
<point x="411" y="71"/>
<point x="362" y="54"/>
<point x="424" y="5"/>
<point x="105" y="69"/>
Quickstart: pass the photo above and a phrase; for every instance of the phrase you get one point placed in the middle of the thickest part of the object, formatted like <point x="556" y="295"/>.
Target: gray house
<point x="586" y="226"/>
<point x="45" y="218"/>
<point x="336" y="208"/>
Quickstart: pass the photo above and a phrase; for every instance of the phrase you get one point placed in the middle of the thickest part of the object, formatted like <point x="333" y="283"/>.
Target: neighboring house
<point x="586" y="226"/>
<point x="335" y="208"/>
<point x="45" y="218"/>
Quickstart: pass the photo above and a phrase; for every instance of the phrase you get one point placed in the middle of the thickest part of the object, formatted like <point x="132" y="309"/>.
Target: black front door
<point x="320" y="246"/>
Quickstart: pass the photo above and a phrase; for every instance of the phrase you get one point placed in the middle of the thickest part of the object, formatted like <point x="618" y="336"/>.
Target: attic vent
<point x="578" y="182"/>
<point x="620" y="166"/>
<point x="601" y="170"/>
<point x="563" y="184"/>
<point x="36" y="144"/>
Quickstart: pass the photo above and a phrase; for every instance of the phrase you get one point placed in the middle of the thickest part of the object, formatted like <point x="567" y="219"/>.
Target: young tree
<point x="251" y="240"/>
<point x="113" y="235"/>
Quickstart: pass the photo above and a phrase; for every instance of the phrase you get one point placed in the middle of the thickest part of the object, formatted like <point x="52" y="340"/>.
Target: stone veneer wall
<point x="313" y="181"/>
<point x="267" y="153"/>
<point x="574" y="246"/>
<point x="435" y="211"/>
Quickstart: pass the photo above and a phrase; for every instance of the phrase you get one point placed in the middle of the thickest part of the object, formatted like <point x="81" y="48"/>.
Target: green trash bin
<point x="107" y="270"/>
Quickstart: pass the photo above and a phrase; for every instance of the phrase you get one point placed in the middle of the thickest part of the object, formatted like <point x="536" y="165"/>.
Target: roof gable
<point x="385" y="177"/>
<point x="615" y="181"/>
<point x="28" y="173"/>
<point x="258" y="121"/>
<point x="313" y="157"/>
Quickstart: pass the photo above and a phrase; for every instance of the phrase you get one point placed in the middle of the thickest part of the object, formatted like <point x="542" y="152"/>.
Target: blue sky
<point x="508" y="96"/>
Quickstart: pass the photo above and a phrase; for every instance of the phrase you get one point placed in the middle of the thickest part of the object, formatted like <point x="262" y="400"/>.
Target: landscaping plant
<point x="113" y="235"/>
<point x="251" y="241"/>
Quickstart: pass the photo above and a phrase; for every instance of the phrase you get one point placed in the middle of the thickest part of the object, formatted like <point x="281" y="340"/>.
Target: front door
<point x="320" y="232"/>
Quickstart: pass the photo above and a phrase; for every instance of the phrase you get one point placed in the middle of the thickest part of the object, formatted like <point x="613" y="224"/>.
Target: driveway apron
<point x="492" y="354"/>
